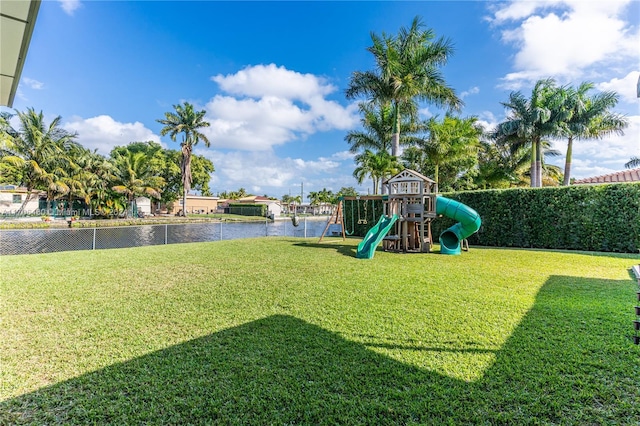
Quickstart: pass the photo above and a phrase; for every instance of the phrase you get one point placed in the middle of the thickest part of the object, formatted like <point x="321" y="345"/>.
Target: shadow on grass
<point x="340" y="247"/>
<point x="567" y="362"/>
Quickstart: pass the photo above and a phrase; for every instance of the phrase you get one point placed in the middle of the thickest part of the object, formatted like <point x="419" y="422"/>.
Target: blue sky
<point x="272" y="75"/>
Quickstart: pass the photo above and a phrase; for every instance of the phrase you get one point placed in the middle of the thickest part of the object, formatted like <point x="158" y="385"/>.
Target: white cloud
<point x="34" y="84"/>
<point x="517" y="10"/>
<point x="266" y="106"/>
<point x="343" y="155"/>
<point x="270" y="80"/>
<point x="597" y="157"/>
<point x="104" y="133"/>
<point x="265" y="172"/>
<point x="626" y="87"/>
<point x="472" y="91"/>
<point x="424" y="112"/>
<point x="70" y="6"/>
<point x="566" y="39"/>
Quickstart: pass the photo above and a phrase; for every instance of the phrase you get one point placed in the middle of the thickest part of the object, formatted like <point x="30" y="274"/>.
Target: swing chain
<point x="362" y="221"/>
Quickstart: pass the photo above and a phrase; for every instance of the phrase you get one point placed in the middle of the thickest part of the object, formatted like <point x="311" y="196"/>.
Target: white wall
<point x="8" y="206"/>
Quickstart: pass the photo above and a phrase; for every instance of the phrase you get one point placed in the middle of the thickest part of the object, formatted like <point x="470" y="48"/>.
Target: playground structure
<point x="410" y="205"/>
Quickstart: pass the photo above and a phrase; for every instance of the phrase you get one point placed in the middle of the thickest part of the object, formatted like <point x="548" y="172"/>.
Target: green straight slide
<point x="468" y="223"/>
<point x="367" y="247"/>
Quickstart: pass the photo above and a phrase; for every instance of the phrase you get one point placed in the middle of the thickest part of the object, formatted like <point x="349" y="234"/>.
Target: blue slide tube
<point x="468" y="223"/>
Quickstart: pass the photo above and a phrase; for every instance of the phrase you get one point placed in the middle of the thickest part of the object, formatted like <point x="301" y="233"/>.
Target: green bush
<point x="594" y="218"/>
<point x="248" y="209"/>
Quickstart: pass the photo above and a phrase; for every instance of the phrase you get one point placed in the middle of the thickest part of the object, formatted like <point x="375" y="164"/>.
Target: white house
<point x="143" y="204"/>
<point x="12" y="197"/>
<point x="273" y="206"/>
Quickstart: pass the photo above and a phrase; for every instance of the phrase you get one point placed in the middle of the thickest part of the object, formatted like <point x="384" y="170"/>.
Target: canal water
<point x="30" y="241"/>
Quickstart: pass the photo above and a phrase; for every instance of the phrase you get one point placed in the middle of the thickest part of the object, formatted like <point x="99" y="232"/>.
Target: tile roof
<point x="632" y="175"/>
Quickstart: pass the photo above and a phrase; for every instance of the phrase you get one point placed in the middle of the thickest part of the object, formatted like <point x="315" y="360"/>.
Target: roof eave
<point x="34" y="7"/>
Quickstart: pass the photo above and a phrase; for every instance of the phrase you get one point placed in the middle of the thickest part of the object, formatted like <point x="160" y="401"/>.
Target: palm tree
<point x="531" y="120"/>
<point x="632" y="163"/>
<point x="377" y="124"/>
<point x="37" y="150"/>
<point x="134" y="177"/>
<point x="407" y="70"/>
<point x="377" y="166"/>
<point x="450" y="141"/>
<point x="188" y="122"/>
<point x="377" y="129"/>
<point x="591" y="118"/>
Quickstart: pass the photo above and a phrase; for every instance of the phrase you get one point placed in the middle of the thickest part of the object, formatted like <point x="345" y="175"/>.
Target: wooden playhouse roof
<point x="407" y="175"/>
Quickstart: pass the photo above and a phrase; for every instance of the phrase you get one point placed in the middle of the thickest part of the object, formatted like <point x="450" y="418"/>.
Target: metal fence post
<point x="93" y="244"/>
<point x="166" y="232"/>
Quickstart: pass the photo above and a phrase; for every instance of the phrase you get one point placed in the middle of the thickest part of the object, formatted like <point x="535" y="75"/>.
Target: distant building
<point x="143" y="205"/>
<point x="12" y="197"/>
<point x="196" y="204"/>
<point x="625" y="176"/>
<point x="274" y="207"/>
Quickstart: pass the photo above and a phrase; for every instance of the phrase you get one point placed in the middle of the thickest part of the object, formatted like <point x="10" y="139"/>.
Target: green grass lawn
<point x="287" y="331"/>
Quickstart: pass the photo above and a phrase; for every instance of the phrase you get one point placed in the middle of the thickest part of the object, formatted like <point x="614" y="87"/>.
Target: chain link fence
<point x="31" y="241"/>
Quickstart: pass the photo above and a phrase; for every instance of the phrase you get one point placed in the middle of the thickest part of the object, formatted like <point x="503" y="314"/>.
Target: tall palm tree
<point x="591" y="118"/>
<point x="134" y="177"/>
<point x="531" y="120"/>
<point x="407" y="70"/>
<point x="37" y="150"/>
<point x="377" y="129"/>
<point x="187" y="121"/>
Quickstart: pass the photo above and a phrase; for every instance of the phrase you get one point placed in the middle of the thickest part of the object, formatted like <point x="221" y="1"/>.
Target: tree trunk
<point x="395" y="144"/>
<point x="567" y="162"/>
<point x="395" y="138"/>
<point x="539" y="163"/>
<point x="25" y="202"/>
<point x="533" y="171"/>
<point x="186" y="175"/>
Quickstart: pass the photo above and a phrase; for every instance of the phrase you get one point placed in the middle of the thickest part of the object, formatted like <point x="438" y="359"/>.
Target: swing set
<point x="359" y="207"/>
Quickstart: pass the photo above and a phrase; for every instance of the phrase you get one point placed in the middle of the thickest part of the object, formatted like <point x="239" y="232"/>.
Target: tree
<point x="452" y="142"/>
<point x="377" y="166"/>
<point x="98" y="178"/>
<point x="187" y="121"/>
<point x="531" y="120"/>
<point x="499" y="167"/>
<point x="590" y="118"/>
<point x="134" y="177"/>
<point x="377" y="129"/>
<point x="407" y="70"/>
<point x="632" y="163"/>
<point x="36" y="150"/>
<point x="166" y="163"/>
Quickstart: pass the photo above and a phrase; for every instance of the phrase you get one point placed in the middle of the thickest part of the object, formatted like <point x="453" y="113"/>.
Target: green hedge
<point x="248" y="209"/>
<point x="594" y="218"/>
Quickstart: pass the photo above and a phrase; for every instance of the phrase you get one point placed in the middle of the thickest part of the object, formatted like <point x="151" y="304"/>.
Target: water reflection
<point x="29" y="241"/>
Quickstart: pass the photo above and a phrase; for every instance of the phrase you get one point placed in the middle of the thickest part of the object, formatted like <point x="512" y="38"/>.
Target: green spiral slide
<point x="468" y="223"/>
<point x="367" y="247"/>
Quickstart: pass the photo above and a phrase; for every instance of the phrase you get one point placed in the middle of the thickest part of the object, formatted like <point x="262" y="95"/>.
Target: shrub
<point x="248" y="209"/>
<point x="594" y="218"/>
